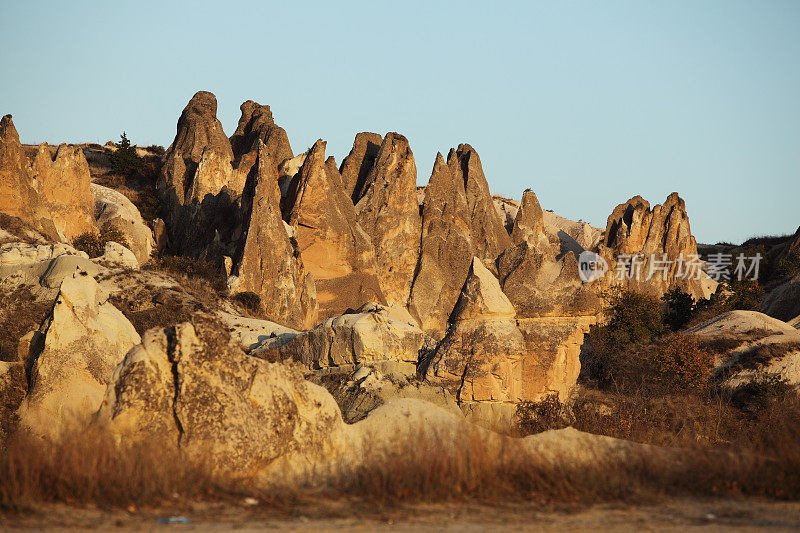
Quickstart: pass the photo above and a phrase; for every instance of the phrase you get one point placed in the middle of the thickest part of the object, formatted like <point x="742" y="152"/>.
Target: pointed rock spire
<point x="388" y="210"/>
<point x="267" y="265"/>
<point x="334" y="247"/>
<point x="256" y="123"/>
<point x="358" y="163"/>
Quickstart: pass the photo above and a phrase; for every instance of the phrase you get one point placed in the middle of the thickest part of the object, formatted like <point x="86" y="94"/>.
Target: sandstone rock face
<point x="114" y="254"/>
<point x="662" y="232"/>
<point x="198" y="130"/>
<point x="63" y="187"/>
<point x="489" y="235"/>
<point x="783" y="302"/>
<point x="481" y="357"/>
<point x="372" y="333"/>
<point x="387" y="209"/>
<point x="267" y="265"/>
<point x="489" y="355"/>
<point x="359" y="161"/>
<point x="84" y="339"/>
<point x="529" y="222"/>
<point x="256" y="124"/>
<point x="190" y="386"/>
<point x="446" y="250"/>
<point x="52" y="196"/>
<point x="17" y="196"/>
<point x="762" y="345"/>
<point x="333" y="246"/>
<point x="540" y="284"/>
<point x="113" y="209"/>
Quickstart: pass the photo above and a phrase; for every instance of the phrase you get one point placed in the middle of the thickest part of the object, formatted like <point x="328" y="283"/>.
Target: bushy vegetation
<point x="94" y="244"/>
<point x="125" y="160"/>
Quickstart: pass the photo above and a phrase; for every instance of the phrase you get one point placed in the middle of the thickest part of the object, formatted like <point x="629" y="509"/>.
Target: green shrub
<point x="124" y="159"/>
<point x="789" y="265"/>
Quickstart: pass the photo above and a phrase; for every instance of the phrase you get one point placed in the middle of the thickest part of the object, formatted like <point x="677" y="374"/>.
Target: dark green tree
<point x="125" y="160"/>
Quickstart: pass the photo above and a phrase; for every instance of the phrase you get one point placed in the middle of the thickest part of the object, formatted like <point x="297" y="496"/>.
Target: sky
<point x="588" y="103"/>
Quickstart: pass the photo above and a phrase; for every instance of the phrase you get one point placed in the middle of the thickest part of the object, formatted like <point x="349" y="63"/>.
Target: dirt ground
<point x="671" y="515"/>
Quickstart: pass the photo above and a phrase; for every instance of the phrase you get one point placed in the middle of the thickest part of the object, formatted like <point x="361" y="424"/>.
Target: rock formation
<point x="537" y="280"/>
<point x="359" y="161"/>
<point x="199" y="130"/>
<point x="489" y="235"/>
<point x="783" y="302"/>
<point x="256" y="123"/>
<point x="387" y="209"/>
<point x="333" y="246"/>
<point x="267" y="264"/>
<point x="372" y="333"/>
<point x="749" y="344"/>
<point x="189" y="385"/>
<point x="660" y="236"/>
<point x="17" y="195"/>
<point x="113" y="209"/>
<point x="81" y="342"/>
<point x="50" y="195"/>
<point x="490" y="356"/>
<point x="446" y="250"/>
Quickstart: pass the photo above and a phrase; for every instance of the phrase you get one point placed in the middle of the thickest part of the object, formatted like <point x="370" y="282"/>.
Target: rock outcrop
<point x="191" y="386"/>
<point x="333" y="245"/>
<point x="492" y="358"/>
<point x="267" y="264"/>
<point x="18" y="198"/>
<point x="446" y="250"/>
<point x="63" y="187"/>
<point x="81" y="342"/>
<point x="660" y="236"/>
<point x="783" y="302"/>
<point x="199" y="131"/>
<point x="749" y="344"/>
<point x="256" y="124"/>
<point x="387" y="209"/>
<point x="359" y="161"/>
<point x="537" y="277"/>
<point x="50" y="195"/>
<point x="372" y="333"/>
<point x="112" y="209"/>
<point x="489" y="235"/>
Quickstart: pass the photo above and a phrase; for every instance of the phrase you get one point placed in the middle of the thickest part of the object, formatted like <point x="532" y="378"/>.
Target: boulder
<point x="266" y="263"/>
<point x="115" y="254"/>
<point x="83" y="340"/>
<point x="446" y="250"/>
<point x="113" y="209"/>
<point x="749" y="344"/>
<point x="333" y="245"/>
<point x="387" y="209"/>
<point x="191" y="386"/>
<point x="45" y="264"/>
<point x="250" y="333"/>
<point x="359" y="392"/>
<point x="359" y="161"/>
<point x="372" y="333"/>
<point x="256" y="124"/>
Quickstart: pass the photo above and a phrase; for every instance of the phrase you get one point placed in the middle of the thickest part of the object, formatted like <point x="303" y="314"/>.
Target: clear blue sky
<point x="587" y="103"/>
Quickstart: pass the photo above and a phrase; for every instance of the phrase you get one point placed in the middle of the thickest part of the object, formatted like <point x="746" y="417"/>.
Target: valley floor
<point x="668" y="515"/>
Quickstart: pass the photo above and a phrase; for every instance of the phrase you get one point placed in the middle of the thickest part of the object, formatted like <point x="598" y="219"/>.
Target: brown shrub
<point x="94" y="244"/>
